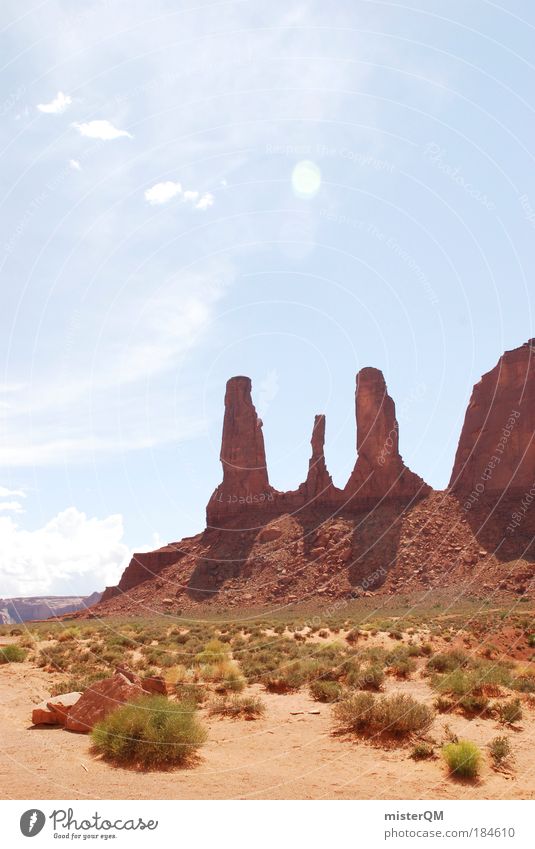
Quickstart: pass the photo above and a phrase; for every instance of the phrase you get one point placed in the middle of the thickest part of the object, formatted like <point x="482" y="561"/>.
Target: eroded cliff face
<point x="496" y="452"/>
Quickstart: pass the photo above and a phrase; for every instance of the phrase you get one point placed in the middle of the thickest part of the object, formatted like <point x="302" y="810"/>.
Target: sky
<point x="289" y="190"/>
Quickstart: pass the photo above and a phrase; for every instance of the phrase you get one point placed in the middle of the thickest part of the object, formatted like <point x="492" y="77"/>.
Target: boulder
<point x="128" y="673"/>
<point x="53" y="711"/>
<point x="154" y="684"/>
<point x="101" y="699"/>
<point x="269" y="534"/>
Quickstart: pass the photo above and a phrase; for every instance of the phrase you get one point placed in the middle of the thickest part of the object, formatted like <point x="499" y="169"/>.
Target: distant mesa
<point x="15" y="610"/>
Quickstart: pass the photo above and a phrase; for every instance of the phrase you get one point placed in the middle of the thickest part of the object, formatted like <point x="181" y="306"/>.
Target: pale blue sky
<point x="122" y="313"/>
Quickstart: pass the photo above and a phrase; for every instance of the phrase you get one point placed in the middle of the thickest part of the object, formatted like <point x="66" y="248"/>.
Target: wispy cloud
<point x="13" y="493"/>
<point x="56" y="106"/>
<point x="75" y="165"/>
<point x="148" y="337"/>
<point x="11" y="507"/>
<point x="103" y="130"/>
<point x="164" y="192"/>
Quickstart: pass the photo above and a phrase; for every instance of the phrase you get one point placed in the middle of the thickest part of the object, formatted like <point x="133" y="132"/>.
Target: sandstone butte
<point x="385" y="529"/>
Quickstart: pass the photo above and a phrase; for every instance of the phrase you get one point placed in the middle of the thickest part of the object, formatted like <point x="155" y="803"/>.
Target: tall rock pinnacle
<point x="379" y="471"/>
<point x="243" y="457"/>
<point x="318" y="483"/>
<point x="496" y="451"/>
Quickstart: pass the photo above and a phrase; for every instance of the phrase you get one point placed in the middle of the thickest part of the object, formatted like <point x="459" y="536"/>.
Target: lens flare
<point x="306" y="179"/>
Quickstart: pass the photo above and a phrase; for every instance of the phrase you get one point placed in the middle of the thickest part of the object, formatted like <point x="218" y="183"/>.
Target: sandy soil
<point x="282" y="756"/>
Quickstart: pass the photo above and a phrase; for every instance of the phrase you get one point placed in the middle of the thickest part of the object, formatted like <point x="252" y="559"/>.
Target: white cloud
<point x="7" y="493"/>
<point x="166" y="191"/>
<point x="162" y="192"/>
<point x="70" y="554"/>
<point x="205" y="202"/>
<point x="103" y="130"/>
<point x="11" y="507"/>
<point x="75" y="165"/>
<point x="56" y="106"/>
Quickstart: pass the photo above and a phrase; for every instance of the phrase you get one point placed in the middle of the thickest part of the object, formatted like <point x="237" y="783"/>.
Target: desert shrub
<point x="325" y="691"/>
<point x="68" y="634"/>
<point x="403" y="668"/>
<point x="524" y="684"/>
<point x="500" y="750"/>
<point x="175" y="674"/>
<point x="531" y="641"/>
<point x="421" y="751"/>
<point x="474" y="703"/>
<point x="121" y="641"/>
<point x="190" y="693"/>
<point x="232" y="680"/>
<point x="323" y="633"/>
<point x="76" y="684"/>
<point x="510" y="712"/>
<point x="155" y="655"/>
<point x="463" y="758"/>
<point x="58" y="656"/>
<point x="214" y="652"/>
<point x="356" y="712"/>
<point x="413" y="650"/>
<point x="448" y="661"/>
<point x="482" y="678"/>
<point x="352" y="636"/>
<point x="248" y="707"/>
<point x="152" y="733"/>
<point x="427" y="649"/>
<point x="399" y="714"/>
<point x="284" y="681"/>
<point x="395" y="634"/>
<point x="442" y="704"/>
<point x="368" y="678"/>
<point x="12" y="654"/>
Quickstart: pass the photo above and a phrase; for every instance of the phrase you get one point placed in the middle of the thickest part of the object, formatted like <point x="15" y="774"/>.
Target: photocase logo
<point x="32" y="822"/>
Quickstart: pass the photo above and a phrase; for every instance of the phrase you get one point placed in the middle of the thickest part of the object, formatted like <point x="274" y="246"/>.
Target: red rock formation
<point x="245" y="478"/>
<point x="101" y="699"/>
<point x="496" y="452"/>
<point x="318" y="484"/>
<point x="144" y="566"/>
<point x="54" y="711"/>
<point x="379" y="472"/>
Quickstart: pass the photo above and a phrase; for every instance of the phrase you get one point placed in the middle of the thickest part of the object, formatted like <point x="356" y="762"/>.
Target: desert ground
<point x="469" y="664"/>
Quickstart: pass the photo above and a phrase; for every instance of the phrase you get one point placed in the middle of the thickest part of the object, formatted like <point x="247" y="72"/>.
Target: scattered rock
<point x="53" y="711"/>
<point x="154" y="684"/>
<point x="101" y="699"/>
